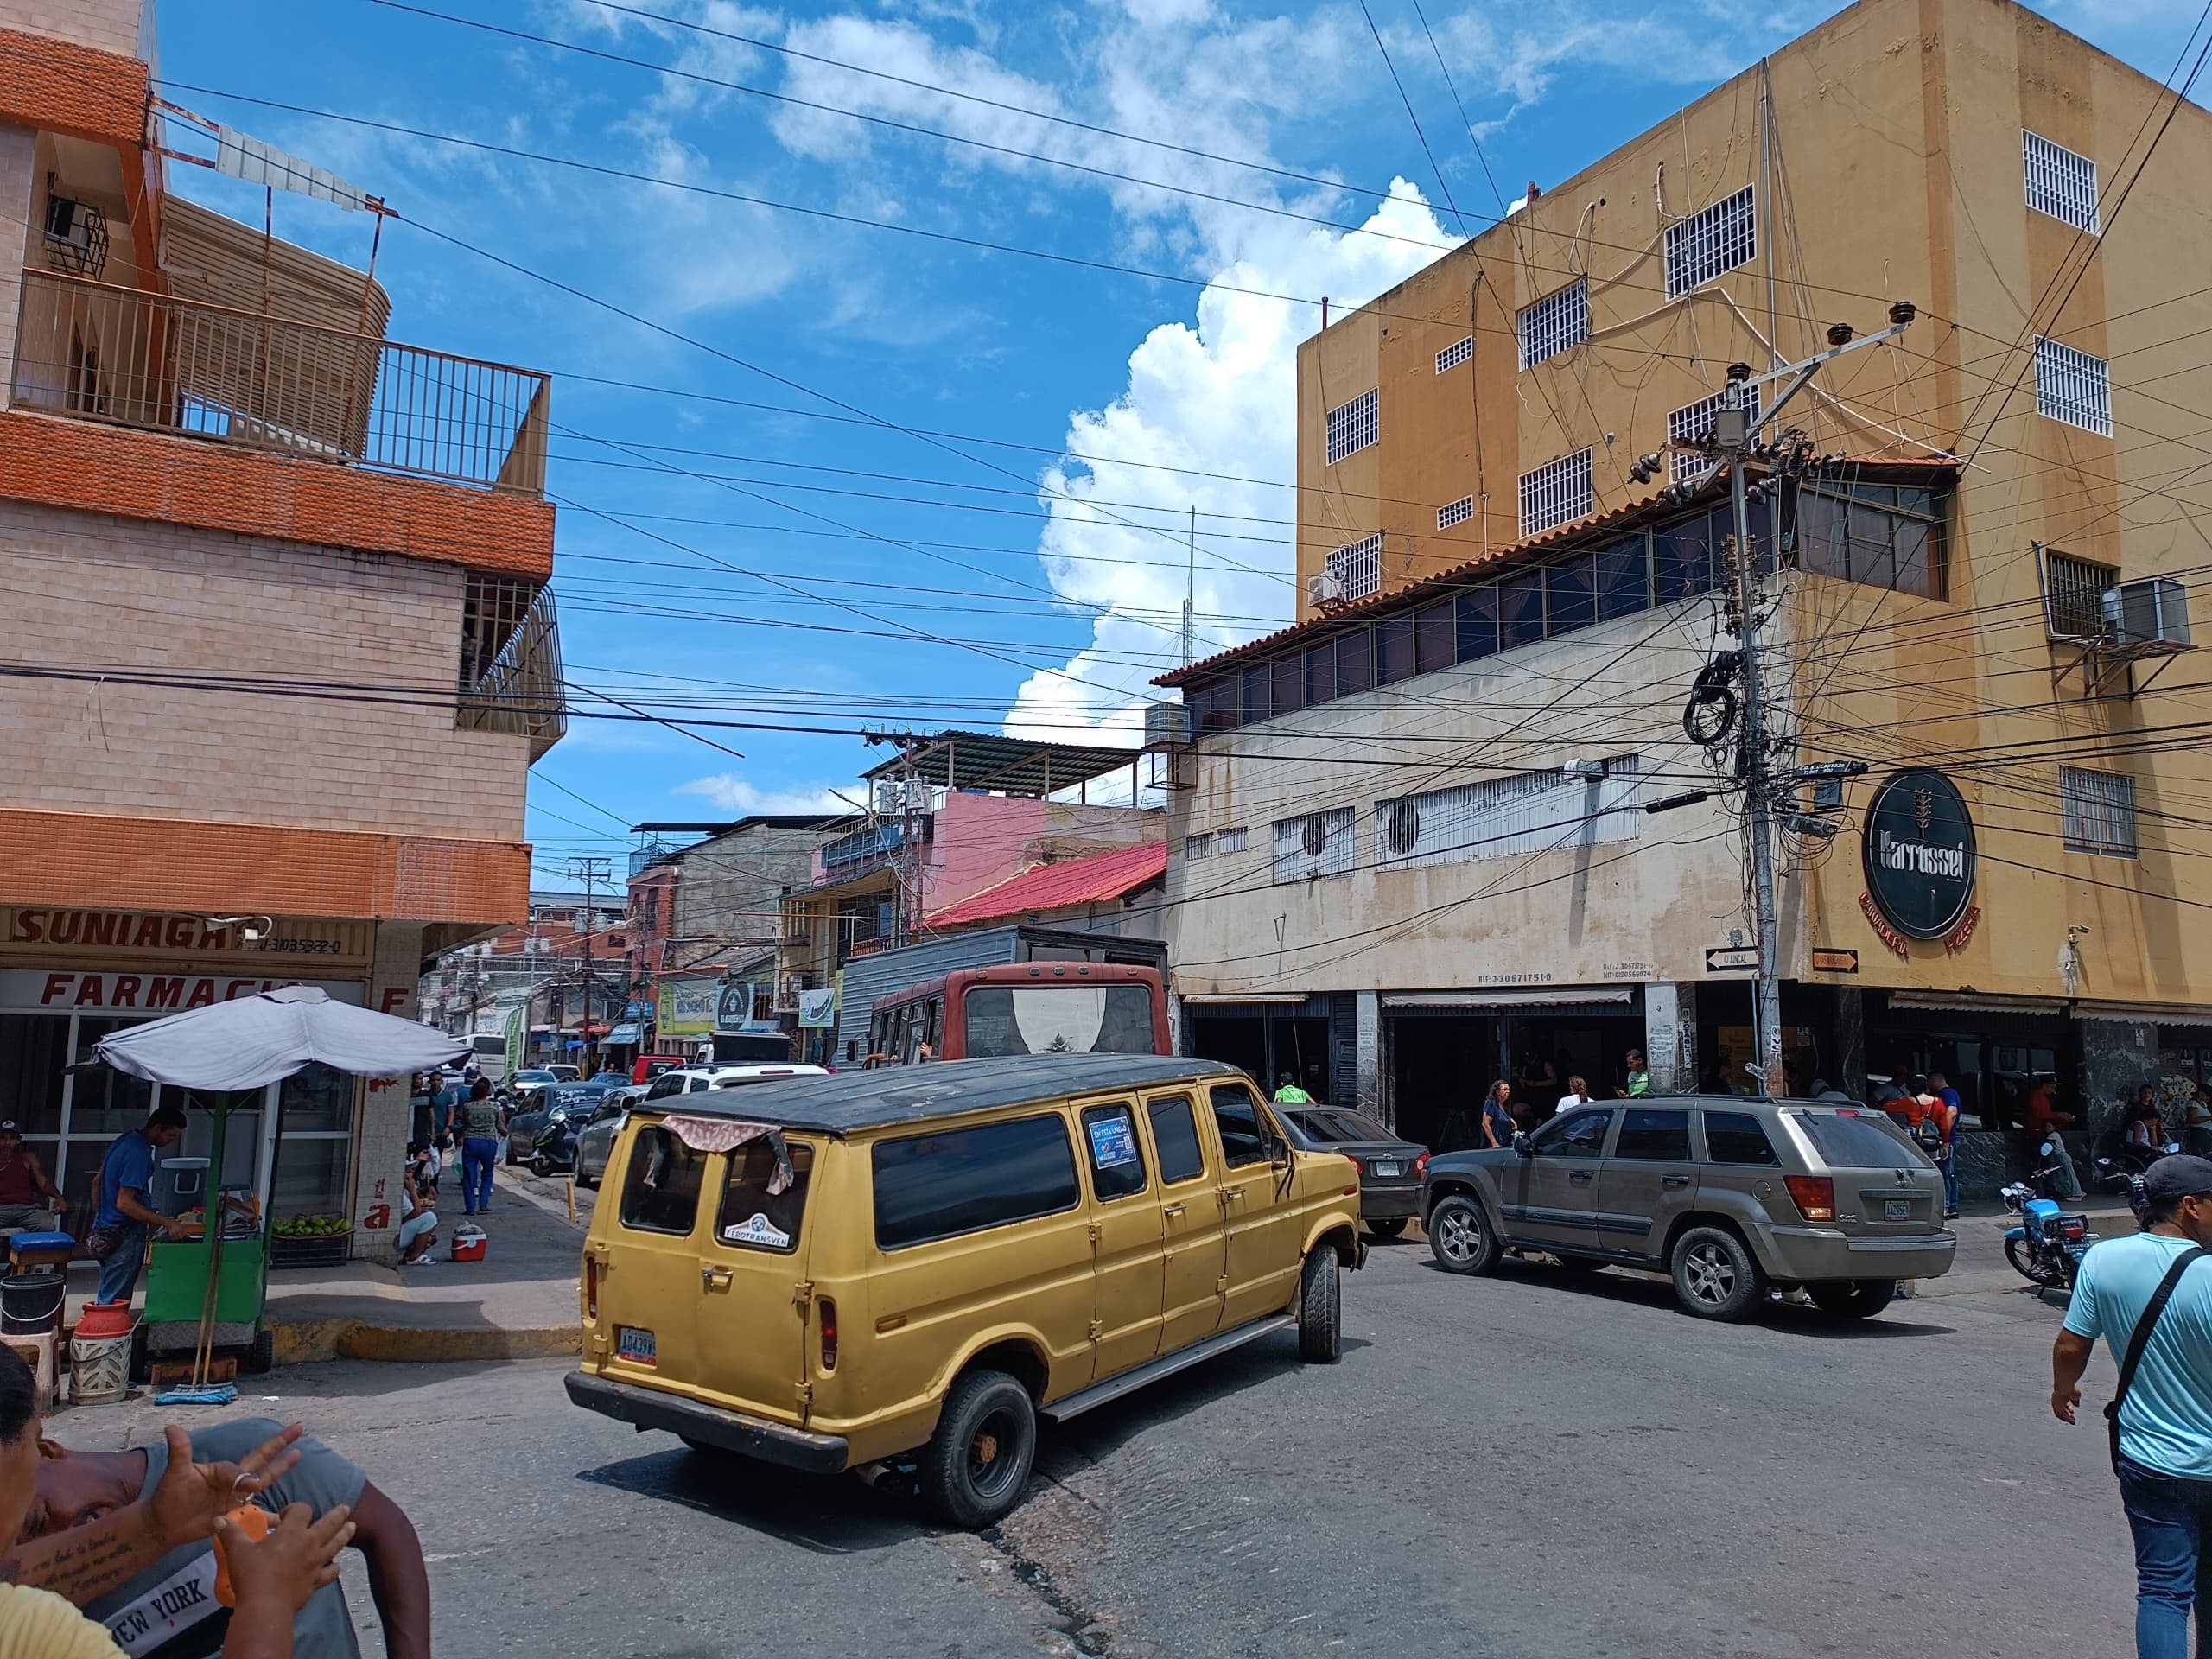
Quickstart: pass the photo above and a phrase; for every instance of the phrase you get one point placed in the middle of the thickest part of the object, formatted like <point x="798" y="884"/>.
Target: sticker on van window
<point x="1112" y="1140"/>
<point x="757" y="1231"/>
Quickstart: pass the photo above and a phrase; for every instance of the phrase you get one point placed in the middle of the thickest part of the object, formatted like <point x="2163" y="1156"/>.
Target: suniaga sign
<point x="1919" y="854"/>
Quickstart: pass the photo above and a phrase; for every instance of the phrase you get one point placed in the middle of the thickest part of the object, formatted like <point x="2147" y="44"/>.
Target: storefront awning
<point x="2162" y="1014"/>
<point x="626" y="1033"/>
<point x="1975" y="1002"/>
<point x="1242" y="998"/>
<point x="1559" y="996"/>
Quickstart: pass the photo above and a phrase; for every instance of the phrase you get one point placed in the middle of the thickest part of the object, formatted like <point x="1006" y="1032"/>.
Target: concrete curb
<point x="313" y="1341"/>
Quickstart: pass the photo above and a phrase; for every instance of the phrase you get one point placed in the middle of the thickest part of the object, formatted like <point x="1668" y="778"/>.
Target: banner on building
<point x="818" y="1010"/>
<point x="687" y="1006"/>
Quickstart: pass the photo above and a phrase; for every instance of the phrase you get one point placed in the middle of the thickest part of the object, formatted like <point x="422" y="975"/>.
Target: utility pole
<point x="1736" y="439"/>
<point x="1191" y="595"/>
<point x="591" y="872"/>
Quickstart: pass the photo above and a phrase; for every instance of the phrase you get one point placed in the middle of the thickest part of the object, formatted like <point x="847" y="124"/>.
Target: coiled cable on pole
<point x="1713" y="706"/>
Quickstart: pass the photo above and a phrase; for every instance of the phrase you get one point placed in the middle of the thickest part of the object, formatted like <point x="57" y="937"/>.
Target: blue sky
<point x="773" y="506"/>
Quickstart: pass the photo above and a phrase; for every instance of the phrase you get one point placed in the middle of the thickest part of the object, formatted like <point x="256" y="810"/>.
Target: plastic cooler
<point x="469" y="1243"/>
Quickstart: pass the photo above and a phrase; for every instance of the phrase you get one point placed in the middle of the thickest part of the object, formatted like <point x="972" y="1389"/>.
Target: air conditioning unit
<point x="1166" y="725"/>
<point x="1324" y="588"/>
<point x="2149" y="612"/>
<point x="890" y="798"/>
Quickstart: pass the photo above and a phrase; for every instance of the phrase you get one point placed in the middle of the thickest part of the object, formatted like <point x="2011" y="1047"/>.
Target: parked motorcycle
<point x="2047" y="1247"/>
<point x="2124" y="1161"/>
<point x="554" y="1148"/>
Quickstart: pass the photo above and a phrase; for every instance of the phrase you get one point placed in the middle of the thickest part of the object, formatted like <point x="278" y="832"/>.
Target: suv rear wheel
<point x="1459" y="1234"/>
<point x="974" y="1466"/>
<point x="1320" y="1309"/>
<point x="1854" y="1298"/>
<point x="1716" y="1277"/>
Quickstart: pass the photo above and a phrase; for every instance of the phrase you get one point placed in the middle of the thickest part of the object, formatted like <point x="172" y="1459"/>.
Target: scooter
<point x="2046" y="1249"/>
<point x="555" y="1147"/>
<point x="2126" y="1162"/>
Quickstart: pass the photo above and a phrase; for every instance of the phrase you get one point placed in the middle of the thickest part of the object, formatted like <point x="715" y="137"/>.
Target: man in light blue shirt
<point x="2165" y="1421"/>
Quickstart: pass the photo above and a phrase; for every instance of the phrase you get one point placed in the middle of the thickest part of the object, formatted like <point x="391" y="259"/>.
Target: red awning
<point x="1051" y="886"/>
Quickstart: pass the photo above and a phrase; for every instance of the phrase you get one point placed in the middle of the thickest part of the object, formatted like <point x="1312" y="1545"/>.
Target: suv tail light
<point x="828" y="1335"/>
<point x="1813" y="1195"/>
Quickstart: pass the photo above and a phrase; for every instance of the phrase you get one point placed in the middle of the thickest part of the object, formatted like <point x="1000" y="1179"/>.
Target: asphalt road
<point x="1521" y="1466"/>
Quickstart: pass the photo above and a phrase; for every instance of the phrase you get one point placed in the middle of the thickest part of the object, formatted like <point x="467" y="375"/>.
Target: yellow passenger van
<point x="834" y="1271"/>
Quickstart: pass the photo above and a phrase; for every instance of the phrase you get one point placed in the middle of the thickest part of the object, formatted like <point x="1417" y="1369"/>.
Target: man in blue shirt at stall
<point x="2164" y="1445"/>
<point x="123" y="1214"/>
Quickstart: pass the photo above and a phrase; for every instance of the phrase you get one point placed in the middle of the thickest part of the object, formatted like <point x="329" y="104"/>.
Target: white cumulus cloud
<point x="731" y="792"/>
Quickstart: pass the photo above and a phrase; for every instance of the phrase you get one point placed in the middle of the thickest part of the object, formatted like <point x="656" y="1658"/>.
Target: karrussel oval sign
<point x="1919" y="853"/>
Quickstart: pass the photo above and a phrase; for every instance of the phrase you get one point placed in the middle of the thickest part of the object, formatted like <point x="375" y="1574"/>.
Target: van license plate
<point x="634" y="1345"/>
<point x="1389" y="1169"/>
<point x="1892" y="1210"/>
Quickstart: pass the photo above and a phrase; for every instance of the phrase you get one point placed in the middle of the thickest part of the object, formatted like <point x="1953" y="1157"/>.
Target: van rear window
<point x="1059" y="1019"/>
<point x="1862" y="1141"/>
<point x="660" y="1191"/>
<point x="753" y="1218"/>
<point x="964" y="1181"/>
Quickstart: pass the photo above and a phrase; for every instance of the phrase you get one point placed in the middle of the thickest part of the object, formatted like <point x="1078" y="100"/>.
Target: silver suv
<point x="1729" y="1196"/>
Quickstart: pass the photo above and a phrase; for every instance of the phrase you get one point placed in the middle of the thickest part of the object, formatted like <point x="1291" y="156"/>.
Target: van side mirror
<point x="1522" y="1145"/>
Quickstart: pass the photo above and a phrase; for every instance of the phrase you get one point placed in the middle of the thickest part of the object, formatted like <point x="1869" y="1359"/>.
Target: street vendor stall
<point x="208" y="1293"/>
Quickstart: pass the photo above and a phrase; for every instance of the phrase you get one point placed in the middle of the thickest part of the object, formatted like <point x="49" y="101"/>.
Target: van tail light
<point x="591" y="1288"/>
<point x="1813" y="1195"/>
<point x="828" y="1335"/>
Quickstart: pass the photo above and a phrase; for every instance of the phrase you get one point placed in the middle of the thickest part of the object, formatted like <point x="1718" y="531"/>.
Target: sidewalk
<point x="518" y="1303"/>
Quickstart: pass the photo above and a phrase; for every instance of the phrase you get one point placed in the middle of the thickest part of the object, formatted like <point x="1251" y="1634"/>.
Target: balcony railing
<point x="96" y="351"/>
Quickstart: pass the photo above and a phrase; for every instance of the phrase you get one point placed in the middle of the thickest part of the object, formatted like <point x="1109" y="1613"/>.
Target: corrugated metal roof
<point x="1009" y="766"/>
<point x="1073" y="881"/>
<point x="1666" y="501"/>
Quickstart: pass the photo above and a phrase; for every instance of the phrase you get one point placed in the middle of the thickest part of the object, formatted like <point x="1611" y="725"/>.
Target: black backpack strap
<point x="2141" y="1339"/>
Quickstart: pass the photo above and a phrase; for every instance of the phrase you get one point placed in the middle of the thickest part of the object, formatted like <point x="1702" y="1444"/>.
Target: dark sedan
<point x="1389" y="1166"/>
<point x="529" y="1137"/>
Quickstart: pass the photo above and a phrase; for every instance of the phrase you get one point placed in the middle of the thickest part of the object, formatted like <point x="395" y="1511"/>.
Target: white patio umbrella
<point x="253" y="1042"/>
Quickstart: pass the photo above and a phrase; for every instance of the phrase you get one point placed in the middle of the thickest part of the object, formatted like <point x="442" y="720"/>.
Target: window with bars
<point x="1693" y="423"/>
<point x="1197" y="847"/>
<point x="2074" y="387"/>
<point x="2097" y="811"/>
<point x="1353" y="426"/>
<point x="1313" y="844"/>
<point x="2074" y="595"/>
<point x="1233" y="840"/>
<point x="1558" y="321"/>
<point x="1558" y="493"/>
<point x="1709" y="241"/>
<point x="1358" y="568"/>
<point x="2060" y="183"/>
<point x="1454" y="354"/>
<point x="1455" y="512"/>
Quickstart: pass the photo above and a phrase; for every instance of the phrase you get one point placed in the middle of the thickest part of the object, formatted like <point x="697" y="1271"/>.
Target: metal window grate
<point x="2074" y="387"/>
<point x="1233" y="840"/>
<point x="1558" y="493"/>
<point x="2097" y="811"/>
<point x="1313" y="844"/>
<point x="1358" y="568"/>
<point x="1711" y="240"/>
<point x="1693" y="423"/>
<point x="1454" y="354"/>
<point x="1520" y="814"/>
<point x="1197" y="847"/>
<point x="1353" y="426"/>
<point x="2073" y="596"/>
<point x="1455" y="512"/>
<point x="1558" y="321"/>
<point x="2060" y="183"/>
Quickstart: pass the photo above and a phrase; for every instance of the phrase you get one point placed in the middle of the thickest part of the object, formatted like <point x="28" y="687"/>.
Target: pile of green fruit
<point x="312" y="1227"/>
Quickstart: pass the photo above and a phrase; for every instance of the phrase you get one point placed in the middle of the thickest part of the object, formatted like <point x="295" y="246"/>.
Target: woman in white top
<point x="1578" y="1094"/>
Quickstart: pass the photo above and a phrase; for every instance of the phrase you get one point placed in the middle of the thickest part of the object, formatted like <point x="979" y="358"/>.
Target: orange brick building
<point x="280" y="652"/>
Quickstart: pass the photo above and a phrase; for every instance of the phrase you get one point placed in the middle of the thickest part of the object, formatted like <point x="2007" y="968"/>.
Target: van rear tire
<point x="1320" y="1309"/>
<point x="975" y="1467"/>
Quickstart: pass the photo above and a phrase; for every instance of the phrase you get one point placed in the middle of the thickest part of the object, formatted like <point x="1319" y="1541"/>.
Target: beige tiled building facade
<point x="282" y="652"/>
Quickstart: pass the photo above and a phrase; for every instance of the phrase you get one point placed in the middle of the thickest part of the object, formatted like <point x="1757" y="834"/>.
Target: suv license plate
<point x="1892" y="1210"/>
<point x="634" y="1345"/>
<point x="1390" y="1169"/>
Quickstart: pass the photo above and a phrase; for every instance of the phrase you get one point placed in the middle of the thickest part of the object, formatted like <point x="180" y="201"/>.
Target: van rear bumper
<point x="732" y="1431"/>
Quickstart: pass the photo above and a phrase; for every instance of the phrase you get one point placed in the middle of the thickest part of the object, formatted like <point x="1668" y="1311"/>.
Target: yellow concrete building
<point x="1499" y="624"/>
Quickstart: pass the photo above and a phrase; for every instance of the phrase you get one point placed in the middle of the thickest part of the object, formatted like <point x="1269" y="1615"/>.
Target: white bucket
<point x="102" y="1365"/>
